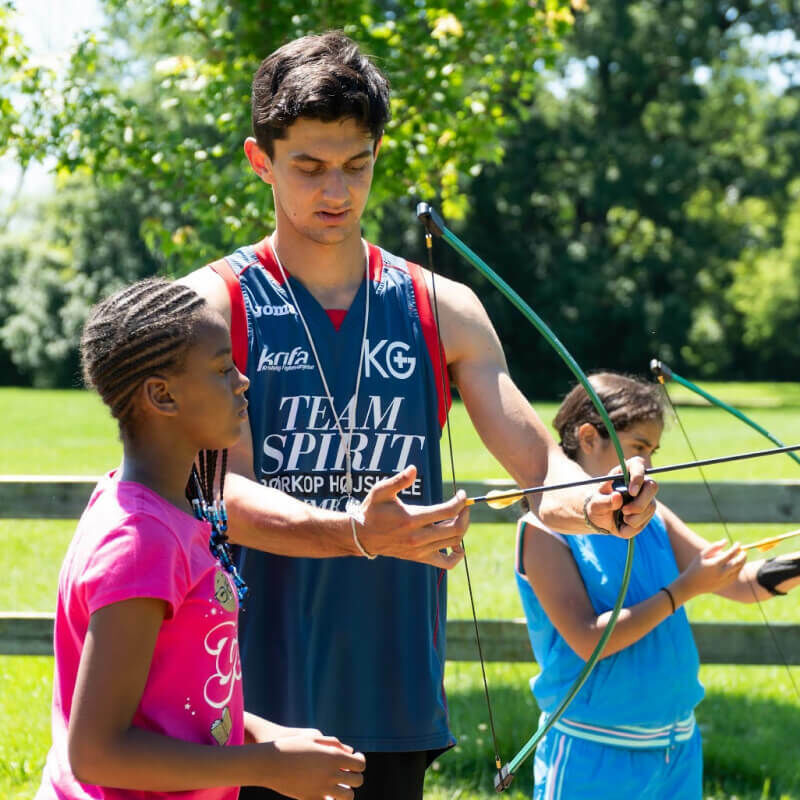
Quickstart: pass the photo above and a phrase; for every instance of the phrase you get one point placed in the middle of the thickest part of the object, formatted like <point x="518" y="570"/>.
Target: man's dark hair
<point x="324" y="77"/>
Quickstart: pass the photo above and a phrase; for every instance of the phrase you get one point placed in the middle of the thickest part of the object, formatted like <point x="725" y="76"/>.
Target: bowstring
<point x="442" y="367"/>
<point x="724" y="524"/>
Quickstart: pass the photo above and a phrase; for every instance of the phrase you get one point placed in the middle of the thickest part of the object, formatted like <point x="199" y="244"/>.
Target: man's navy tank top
<point x="350" y="646"/>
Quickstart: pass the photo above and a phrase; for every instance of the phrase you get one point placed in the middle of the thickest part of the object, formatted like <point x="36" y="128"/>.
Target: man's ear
<point x="377" y="148"/>
<point x="587" y="437"/>
<point x="260" y="162"/>
<point x="156" y="396"/>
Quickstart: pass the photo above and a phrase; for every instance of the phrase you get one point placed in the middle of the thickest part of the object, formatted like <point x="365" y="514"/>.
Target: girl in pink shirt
<point x="147" y="697"/>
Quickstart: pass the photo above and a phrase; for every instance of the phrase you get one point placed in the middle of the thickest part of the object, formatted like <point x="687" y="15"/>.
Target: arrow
<point x="768" y="544"/>
<point x="503" y="499"/>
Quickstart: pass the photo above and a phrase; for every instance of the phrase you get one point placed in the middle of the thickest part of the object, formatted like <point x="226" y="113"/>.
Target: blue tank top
<point x="654" y="682"/>
<point x="350" y="646"/>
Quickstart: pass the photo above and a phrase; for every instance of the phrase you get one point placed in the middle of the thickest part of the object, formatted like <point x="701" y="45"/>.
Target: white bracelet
<point x="358" y="543"/>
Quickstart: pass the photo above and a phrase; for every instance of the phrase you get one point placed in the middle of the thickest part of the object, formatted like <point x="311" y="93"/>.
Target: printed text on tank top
<point x="352" y="504"/>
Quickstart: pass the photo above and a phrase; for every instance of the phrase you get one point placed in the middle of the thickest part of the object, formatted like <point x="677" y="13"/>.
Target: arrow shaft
<point x="771" y="541"/>
<point x="789" y="449"/>
<point x="705" y="462"/>
<point x="535" y="490"/>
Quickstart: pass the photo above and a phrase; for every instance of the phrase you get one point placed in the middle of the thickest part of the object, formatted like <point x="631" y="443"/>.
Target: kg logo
<point x="389" y="358"/>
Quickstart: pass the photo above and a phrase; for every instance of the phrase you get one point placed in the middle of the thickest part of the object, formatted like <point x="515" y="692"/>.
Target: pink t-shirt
<point x="130" y="542"/>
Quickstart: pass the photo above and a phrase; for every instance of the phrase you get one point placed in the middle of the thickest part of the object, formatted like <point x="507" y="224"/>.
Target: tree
<point x="766" y="292"/>
<point x="653" y="159"/>
<point x="22" y="99"/>
<point x="86" y="245"/>
<point x="161" y="100"/>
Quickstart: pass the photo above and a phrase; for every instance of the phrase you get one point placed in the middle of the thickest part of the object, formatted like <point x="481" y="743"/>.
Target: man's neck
<point x="332" y="273"/>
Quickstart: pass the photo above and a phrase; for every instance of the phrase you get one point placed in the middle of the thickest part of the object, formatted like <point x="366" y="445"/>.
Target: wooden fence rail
<point x="503" y="640"/>
<point x="49" y="497"/>
<point x="44" y="497"/>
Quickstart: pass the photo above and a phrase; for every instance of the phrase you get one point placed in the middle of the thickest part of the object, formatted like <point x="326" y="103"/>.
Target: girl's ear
<point x="156" y="396"/>
<point x="588" y="437"/>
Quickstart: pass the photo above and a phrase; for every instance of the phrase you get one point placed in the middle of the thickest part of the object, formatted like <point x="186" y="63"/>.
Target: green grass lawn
<point x="750" y="718"/>
<point x="69" y="432"/>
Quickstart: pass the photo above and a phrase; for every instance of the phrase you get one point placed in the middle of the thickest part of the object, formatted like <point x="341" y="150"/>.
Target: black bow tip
<point x="660" y="369"/>
<point x="433" y="223"/>
<point x="503" y="779"/>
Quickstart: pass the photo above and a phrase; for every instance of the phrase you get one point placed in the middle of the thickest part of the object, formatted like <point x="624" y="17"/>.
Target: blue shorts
<point x="569" y="768"/>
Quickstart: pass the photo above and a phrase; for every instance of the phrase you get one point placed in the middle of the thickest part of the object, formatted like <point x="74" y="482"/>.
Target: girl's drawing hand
<point x="712" y="568"/>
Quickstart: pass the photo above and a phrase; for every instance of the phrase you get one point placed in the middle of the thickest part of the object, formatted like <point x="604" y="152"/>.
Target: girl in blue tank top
<point x="630" y="732"/>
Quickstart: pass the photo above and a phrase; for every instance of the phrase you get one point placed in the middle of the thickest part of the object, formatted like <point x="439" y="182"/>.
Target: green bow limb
<point x="435" y="226"/>
<point x="664" y="374"/>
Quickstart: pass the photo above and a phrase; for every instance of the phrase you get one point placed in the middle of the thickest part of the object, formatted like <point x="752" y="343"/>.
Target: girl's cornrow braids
<point x="138" y="331"/>
<point x="211" y="461"/>
<point x="164" y="298"/>
<point x="123" y="381"/>
<point x="201" y="464"/>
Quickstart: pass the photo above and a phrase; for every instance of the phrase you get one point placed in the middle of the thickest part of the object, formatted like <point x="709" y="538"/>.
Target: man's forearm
<point x="269" y="520"/>
<point x="563" y="510"/>
<point x="521" y="443"/>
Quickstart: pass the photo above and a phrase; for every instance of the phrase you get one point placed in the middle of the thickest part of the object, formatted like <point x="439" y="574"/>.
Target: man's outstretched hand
<point x="427" y="534"/>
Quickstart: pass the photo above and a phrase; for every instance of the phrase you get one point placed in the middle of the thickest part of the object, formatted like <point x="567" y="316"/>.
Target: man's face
<point x="321" y="174"/>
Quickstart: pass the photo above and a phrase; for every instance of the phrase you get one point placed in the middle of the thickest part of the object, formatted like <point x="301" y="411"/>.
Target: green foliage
<point x="161" y="99"/>
<point x="22" y="100"/>
<point x="631" y="174"/>
<point x="85" y="244"/>
<point x="766" y="291"/>
<point x="653" y="170"/>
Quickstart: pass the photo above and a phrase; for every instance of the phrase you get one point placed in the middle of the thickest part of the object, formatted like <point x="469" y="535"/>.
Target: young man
<point x="347" y="402"/>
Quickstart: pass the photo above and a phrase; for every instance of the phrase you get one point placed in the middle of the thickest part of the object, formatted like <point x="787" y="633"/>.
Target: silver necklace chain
<point x="346" y="439"/>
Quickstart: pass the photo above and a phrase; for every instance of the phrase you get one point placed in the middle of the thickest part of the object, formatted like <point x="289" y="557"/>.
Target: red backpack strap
<point x="431" y="334"/>
<point x="238" y="313"/>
